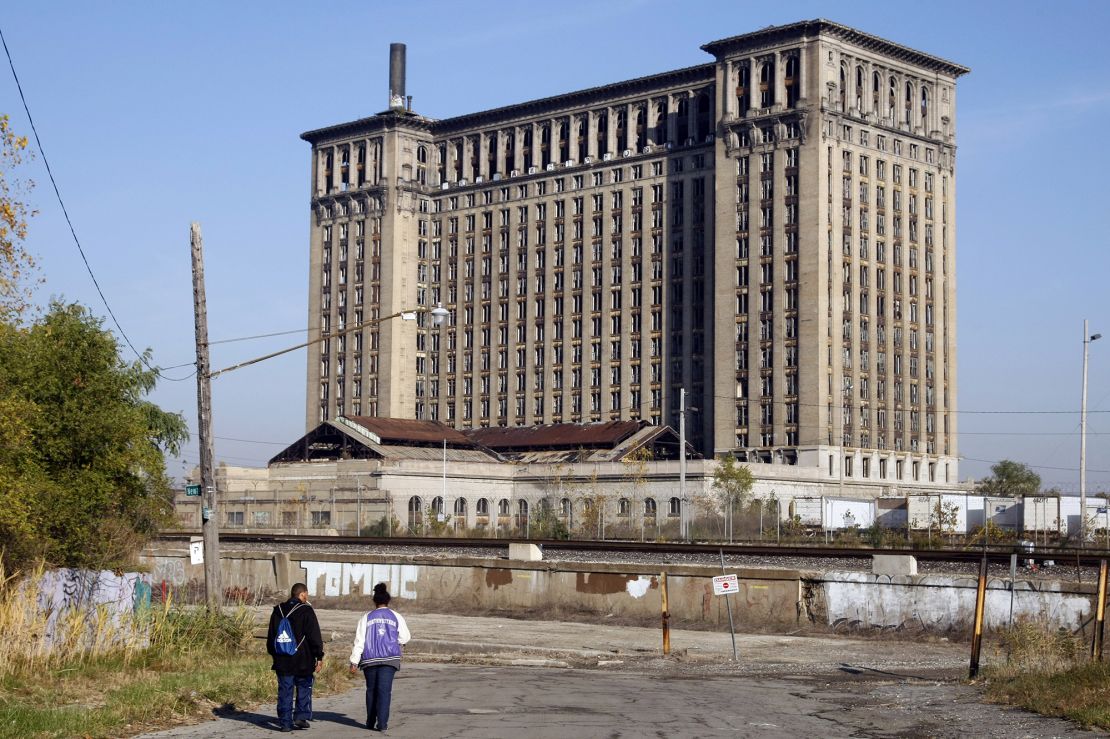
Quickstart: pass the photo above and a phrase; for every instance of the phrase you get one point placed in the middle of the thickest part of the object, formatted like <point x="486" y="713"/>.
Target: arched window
<point x="909" y="103"/>
<point x="458" y="147"/>
<point x="767" y="85"/>
<point x="564" y="139"/>
<point x="743" y="90"/>
<point x="522" y="507"/>
<point x="674" y="509"/>
<point x="892" y="98"/>
<point x="482" y="507"/>
<point x="622" y="130"/>
<point x="545" y="145"/>
<point x="527" y="150"/>
<point x="587" y="506"/>
<point x="624" y="507"/>
<point x="460" y="507"/>
<point x="416" y="513"/>
<point x="421" y="155"/>
<point x="583" y="139"/>
<point x="876" y="91"/>
<point x="704" y="123"/>
<point x="860" y="87"/>
<point x="791" y="81"/>
<point x="443" y="162"/>
<point x="641" y="127"/>
<point x="503" y="507"/>
<point x="437" y="505"/>
<point x="682" y="119"/>
<point x="564" y="506"/>
<point x="510" y="150"/>
<point x="924" y="103"/>
<point x="661" y="122"/>
<point x="602" y="133"/>
<point x="649" y="507"/>
<point x="491" y="154"/>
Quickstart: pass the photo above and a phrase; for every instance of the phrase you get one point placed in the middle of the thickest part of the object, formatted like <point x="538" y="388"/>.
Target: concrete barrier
<point x="525" y="552"/>
<point x="766" y="597"/>
<point x="893" y="564"/>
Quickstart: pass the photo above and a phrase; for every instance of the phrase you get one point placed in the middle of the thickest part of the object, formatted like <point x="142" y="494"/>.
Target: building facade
<point x="772" y="232"/>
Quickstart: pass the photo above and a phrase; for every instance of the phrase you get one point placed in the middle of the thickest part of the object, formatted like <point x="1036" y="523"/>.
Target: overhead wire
<point x="69" y="222"/>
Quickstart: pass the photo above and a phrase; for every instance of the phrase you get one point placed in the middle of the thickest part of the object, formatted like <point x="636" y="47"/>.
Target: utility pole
<point x="210" y="523"/>
<point x="682" y="523"/>
<point x="1087" y="339"/>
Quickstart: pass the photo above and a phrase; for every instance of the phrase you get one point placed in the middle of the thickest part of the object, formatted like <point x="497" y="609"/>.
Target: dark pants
<point x="379" y="690"/>
<point x="303" y="685"/>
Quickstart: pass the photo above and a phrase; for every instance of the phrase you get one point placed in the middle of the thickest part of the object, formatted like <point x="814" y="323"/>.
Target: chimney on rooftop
<point x="396" y="76"/>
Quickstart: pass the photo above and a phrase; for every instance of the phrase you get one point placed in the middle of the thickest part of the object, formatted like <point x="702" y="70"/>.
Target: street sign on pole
<point x="193" y="491"/>
<point x="725" y="584"/>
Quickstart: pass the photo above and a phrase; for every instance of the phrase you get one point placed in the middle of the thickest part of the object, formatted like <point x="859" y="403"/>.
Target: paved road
<point x="477" y="702"/>
<point x="463" y="678"/>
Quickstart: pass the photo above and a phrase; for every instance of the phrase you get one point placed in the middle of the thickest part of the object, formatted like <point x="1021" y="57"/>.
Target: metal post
<point x="977" y="633"/>
<point x="666" y="614"/>
<point x="1087" y="339"/>
<point x="728" y="606"/>
<point x="1013" y="576"/>
<point x="210" y="524"/>
<point x="1100" y="612"/>
<point x="683" y="525"/>
<point x="358" y="506"/>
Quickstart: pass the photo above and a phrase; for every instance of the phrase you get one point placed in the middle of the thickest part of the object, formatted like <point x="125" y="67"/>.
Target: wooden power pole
<point x="210" y="523"/>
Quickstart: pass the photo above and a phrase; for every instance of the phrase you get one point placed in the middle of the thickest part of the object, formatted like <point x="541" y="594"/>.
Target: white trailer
<point x="958" y="514"/>
<point x="1041" y="515"/>
<point x="847" y="513"/>
<point x="891" y="512"/>
<point x="1005" y="513"/>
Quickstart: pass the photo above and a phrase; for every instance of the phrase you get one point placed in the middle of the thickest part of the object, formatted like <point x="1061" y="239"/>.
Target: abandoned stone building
<point x="612" y="478"/>
<point x="767" y="238"/>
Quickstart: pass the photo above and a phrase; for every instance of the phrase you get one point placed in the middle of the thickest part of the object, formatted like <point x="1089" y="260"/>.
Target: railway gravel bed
<point x="1059" y="571"/>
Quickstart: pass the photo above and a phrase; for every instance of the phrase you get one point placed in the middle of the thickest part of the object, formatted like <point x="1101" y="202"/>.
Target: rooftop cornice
<point x="368" y="125"/>
<point x="812" y="28"/>
<point x="700" y="73"/>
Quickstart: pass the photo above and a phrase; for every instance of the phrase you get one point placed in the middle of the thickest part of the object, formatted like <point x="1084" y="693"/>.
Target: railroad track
<point x="1064" y="556"/>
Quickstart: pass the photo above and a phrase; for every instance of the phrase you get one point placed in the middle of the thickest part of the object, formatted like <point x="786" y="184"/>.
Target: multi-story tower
<point x="772" y="231"/>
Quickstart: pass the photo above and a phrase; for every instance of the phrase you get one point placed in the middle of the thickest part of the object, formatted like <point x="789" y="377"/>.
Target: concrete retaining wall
<point x="765" y="597"/>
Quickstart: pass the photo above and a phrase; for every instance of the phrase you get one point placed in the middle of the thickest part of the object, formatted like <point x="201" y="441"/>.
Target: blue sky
<point x="154" y="115"/>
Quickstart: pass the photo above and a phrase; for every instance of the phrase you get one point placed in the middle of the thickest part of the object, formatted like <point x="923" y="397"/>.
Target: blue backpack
<point x="284" y="642"/>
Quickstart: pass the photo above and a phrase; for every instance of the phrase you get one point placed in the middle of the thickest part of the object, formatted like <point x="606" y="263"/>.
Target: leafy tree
<point x="82" y="472"/>
<point x="1011" y="478"/>
<point x="16" y="264"/>
<point x="733" y="483"/>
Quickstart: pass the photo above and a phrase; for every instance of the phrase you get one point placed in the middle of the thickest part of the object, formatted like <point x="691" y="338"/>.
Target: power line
<point x="266" y="336"/>
<point x="69" y="222"/>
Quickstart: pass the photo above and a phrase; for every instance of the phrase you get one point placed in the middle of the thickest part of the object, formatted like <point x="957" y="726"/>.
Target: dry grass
<point x="1048" y="671"/>
<point x="101" y="677"/>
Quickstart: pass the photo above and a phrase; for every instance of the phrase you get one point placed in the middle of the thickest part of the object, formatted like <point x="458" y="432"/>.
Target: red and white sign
<point x="725" y="584"/>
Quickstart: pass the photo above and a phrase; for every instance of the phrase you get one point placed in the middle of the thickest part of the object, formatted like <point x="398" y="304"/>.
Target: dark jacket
<point x="306" y="627"/>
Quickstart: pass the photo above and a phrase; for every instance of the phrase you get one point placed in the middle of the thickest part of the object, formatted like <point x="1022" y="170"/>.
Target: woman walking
<point x="377" y="652"/>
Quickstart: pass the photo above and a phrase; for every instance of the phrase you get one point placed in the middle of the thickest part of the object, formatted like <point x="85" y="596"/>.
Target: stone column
<point x="779" y="82"/>
<point x="611" y="131"/>
<point x="754" y="71"/>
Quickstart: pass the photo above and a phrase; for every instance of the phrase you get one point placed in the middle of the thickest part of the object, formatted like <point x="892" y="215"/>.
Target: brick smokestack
<point x="396" y="76"/>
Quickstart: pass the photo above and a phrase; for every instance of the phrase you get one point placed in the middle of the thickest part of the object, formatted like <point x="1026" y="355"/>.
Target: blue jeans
<point x="379" y="690"/>
<point x="303" y="685"/>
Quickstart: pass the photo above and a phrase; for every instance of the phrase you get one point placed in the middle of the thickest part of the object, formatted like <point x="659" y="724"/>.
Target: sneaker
<point x="287" y="728"/>
<point x="300" y="724"/>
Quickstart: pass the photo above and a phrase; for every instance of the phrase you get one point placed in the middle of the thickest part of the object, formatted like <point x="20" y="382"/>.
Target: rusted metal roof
<point x="555" y="436"/>
<point x="400" y="430"/>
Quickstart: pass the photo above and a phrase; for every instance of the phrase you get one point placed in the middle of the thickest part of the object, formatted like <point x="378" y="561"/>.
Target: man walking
<point x="297" y="647"/>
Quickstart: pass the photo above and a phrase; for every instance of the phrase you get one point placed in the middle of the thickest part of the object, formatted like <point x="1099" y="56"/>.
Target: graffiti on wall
<point x="939" y="602"/>
<point x="114" y="596"/>
<point x="170" y="570"/>
<point x="349" y="578"/>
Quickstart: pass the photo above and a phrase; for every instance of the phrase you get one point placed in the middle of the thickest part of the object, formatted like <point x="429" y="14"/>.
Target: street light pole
<point x="1087" y="339"/>
<point x="682" y="525"/>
